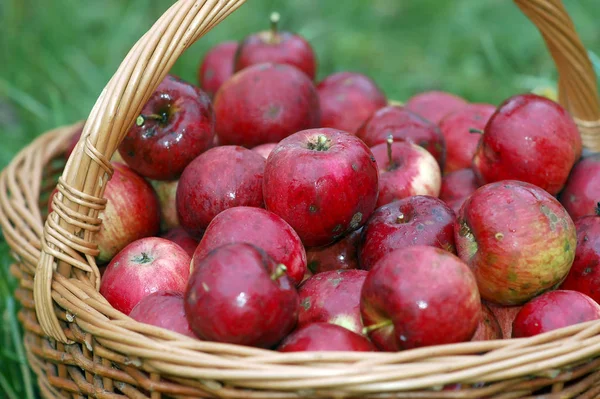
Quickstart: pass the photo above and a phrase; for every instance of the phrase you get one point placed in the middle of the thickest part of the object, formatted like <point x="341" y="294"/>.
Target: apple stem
<point x="597" y="209"/>
<point x="400" y="218"/>
<point x="142" y="118"/>
<point x="475" y="131"/>
<point x="274" y="28"/>
<point x="279" y="271"/>
<point x="376" y="326"/>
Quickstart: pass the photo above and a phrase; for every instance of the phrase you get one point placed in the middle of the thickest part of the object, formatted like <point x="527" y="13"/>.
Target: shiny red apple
<point x="179" y="236"/>
<point x="324" y="337"/>
<point x="488" y="328"/>
<point x="264" y="149"/>
<point x="457" y="186"/>
<point x="217" y="66"/>
<point x="582" y="191"/>
<point x="433" y="105"/>
<point x="341" y="255"/>
<point x="163" y="309"/>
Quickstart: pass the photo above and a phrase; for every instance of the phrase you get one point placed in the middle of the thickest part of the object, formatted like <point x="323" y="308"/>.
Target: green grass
<point x="57" y="55"/>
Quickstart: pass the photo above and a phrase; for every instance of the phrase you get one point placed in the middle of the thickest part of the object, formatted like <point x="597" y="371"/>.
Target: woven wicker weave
<point x="79" y="346"/>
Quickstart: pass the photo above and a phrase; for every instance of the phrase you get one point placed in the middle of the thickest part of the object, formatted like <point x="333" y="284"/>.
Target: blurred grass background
<point x="57" y="55"/>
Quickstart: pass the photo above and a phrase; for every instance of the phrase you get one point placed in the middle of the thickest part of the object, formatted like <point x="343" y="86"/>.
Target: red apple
<point x="220" y="178"/>
<point x="434" y="105"/>
<point x="324" y="337"/>
<point x="529" y="138"/>
<point x="265" y="103"/>
<point x="488" y="328"/>
<point x="179" y="236"/>
<point x="238" y="294"/>
<point x="176" y="125"/>
<point x="584" y="275"/>
<point x="132" y="212"/>
<point x="457" y="186"/>
<point x="276" y="46"/>
<point x="259" y="227"/>
<point x="462" y="131"/>
<point x="505" y="315"/>
<point x="163" y="309"/>
<point x="264" y="149"/>
<point x="417" y="220"/>
<point x="403" y="125"/>
<point x="217" y="66"/>
<point x="405" y="299"/>
<point x="347" y="99"/>
<point x="332" y="297"/>
<point x="143" y="267"/>
<point x="167" y="191"/>
<point x="518" y="240"/>
<point x="553" y="310"/>
<point x="405" y="169"/>
<point x="323" y="182"/>
<point x="341" y="255"/>
<point x="582" y="191"/>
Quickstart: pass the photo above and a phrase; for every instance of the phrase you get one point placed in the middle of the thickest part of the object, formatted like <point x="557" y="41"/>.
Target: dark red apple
<point x="264" y="149"/>
<point x="417" y="220"/>
<point x="220" y="178"/>
<point x="505" y="315"/>
<point x="584" y="275"/>
<point x="323" y="182"/>
<point x="163" y="309"/>
<point x="462" y="130"/>
<point x="347" y="99"/>
<point x="405" y="169"/>
<point x="341" y="255"/>
<point x="238" y="294"/>
<point x="265" y="103"/>
<point x="488" y="328"/>
<point x="332" y="297"/>
<point x="276" y="46"/>
<point x="553" y="310"/>
<point x="217" y="66"/>
<point x="403" y="125"/>
<point x="179" y="236"/>
<point x="518" y="240"/>
<point x="582" y="191"/>
<point x="132" y="212"/>
<point x="434" y="105"/>
<point x="324" y="337"/>
<point x="143" y="267"/>
<point x="529" y="138"/>
<point x="176" y="125"/>
<point x="167" y="191"/>
<point x="457" y="186"/>
<point x="406" y="296"/>
<point x="259" y="227"/>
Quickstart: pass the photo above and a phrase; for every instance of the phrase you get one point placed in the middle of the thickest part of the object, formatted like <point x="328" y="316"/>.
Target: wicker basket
<point x="79" y="346"/>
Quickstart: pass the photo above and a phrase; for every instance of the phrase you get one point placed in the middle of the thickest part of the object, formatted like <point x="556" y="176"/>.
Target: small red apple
<point x="238" y="294"/>
<point x="166" y="190"/>
<point x="488" y="328"/>
<point x="584" y="275"/>
<point x="176" y="125"/>
<point x="462" y="130"/>
<point x="217" y="66"/>
<point x="457" y="186"/>
<point x="529" y="138"/>
<point x="179" y="236"/>
<point x="259" y="227"/>
<point x="264" y="149"/>
<point x="132" y="212"/>
<point x="405" y="169"/>
<point x="324" y="337"/>
<point x="417" y="220"/>
<point x="582" y="191"/>
<point x="505" y="315"/>
<point x="163" y="309"/>
<point x="434" y="105"/>
<point x="332" y="297"/>
<point x="518" y="240"/>
<point x="403" y="125"/>
<point x="276" y="46"/>
<point x="341" y="255"/>
<point x="220" y="178"/>
<point x="553" y="310"/>
<point x="143" y="267"/>
<point x="347" y="99"/>
<point x="265" y="103"/>
<point x="406" y="296"/>
<point x="323" y="182"/>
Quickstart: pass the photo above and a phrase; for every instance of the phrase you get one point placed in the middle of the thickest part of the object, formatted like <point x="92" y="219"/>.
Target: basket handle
<point x="67" y="242"/>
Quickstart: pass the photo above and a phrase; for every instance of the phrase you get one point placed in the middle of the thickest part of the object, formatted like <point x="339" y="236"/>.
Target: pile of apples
<point x="263" y="208"/>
